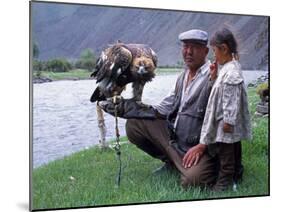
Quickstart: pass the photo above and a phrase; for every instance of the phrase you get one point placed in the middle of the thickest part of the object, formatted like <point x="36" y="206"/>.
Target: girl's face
<point x="218" y="55"/>
<point x="222" y="54"/>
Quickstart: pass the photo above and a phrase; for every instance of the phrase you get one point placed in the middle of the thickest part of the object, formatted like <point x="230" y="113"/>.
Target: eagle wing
<point x="112" y="62"/>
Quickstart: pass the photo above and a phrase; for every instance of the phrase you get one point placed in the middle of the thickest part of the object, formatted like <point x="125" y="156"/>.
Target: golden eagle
<point x="121" y="64"/>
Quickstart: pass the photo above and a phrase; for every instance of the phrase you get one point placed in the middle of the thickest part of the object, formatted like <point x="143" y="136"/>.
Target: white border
<point x="14" y="176"/>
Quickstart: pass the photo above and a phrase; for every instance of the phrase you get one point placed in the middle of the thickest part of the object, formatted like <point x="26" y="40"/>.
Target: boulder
<point x="262" y="108"/>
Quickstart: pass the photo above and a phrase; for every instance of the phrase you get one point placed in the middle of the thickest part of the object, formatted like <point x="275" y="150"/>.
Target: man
<point x="171" y="130"/>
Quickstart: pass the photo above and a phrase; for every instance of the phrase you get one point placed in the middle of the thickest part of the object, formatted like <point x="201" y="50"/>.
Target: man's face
<point x="194" y="54"/>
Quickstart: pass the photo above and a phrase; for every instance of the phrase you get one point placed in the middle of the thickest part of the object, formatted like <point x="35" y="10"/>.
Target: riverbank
<point x="80" y="74"/>
<point x="87" y="178"/>
<point x="48" y="76"/>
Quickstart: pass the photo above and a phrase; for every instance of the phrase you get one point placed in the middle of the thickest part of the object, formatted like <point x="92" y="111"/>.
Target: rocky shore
<point x="262" y="79"/>
<point x="41" y="79"/>
<point x="262" y="108"/>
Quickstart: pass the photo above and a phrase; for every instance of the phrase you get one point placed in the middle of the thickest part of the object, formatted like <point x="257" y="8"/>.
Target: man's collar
<point x="204" y="68"/>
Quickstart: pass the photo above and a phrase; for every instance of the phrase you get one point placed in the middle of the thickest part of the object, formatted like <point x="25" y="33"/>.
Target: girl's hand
<point x="214" y="70"/>
<point x="227" y="128"/>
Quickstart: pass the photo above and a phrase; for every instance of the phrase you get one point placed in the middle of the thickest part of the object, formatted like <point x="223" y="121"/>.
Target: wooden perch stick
<point x="102" y="128"/>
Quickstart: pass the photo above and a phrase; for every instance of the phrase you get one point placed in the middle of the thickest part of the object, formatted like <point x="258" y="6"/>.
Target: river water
<point x="64" y="120"/>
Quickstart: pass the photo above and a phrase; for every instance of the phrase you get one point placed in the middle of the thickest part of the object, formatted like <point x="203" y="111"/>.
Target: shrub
<point x="86" y="61"/>
<point x="37" y="65"/>
<point x="263" y="91"/>
<point x="261" y="87"/>
<point x="58" y="65"/>
<point x="35" y="50"/>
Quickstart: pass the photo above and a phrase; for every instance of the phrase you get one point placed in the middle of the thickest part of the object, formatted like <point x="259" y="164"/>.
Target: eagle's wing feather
<point x="98" y="65"/>
<point x="154" y="57"/>
<point x="117" y="58"/>
<point x="103" y="71"/>
<point x="122" y="59"/>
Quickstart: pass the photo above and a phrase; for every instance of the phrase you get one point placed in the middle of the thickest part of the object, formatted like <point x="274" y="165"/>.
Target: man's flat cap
<point x="194" y="35"/>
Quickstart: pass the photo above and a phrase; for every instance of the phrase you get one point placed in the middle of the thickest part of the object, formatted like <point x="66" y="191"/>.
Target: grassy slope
<point x="79" y="74"/>
<point x="94" y="172"/>
<point x="76" y="74"/>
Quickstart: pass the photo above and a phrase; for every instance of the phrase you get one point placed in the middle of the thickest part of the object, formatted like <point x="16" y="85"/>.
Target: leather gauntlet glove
<point x="129" y="109"/>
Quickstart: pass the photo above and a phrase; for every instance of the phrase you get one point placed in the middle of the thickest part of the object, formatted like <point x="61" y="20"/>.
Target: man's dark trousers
<point x="152" y="137"/>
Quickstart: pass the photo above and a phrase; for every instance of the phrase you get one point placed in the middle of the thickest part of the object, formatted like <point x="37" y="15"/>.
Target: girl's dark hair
<point x="225" y="36"/>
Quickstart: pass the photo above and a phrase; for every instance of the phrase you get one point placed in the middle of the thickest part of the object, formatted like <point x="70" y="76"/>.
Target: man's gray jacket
<point x="185" y="107"/>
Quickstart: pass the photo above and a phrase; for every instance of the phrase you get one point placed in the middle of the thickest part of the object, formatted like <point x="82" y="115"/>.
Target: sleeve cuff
<point x="229" y="121"/>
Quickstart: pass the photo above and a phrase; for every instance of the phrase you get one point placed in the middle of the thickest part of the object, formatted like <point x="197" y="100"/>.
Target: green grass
<point x="76" y="74"/>
<point x="87" y="178"/>
<point x="80" y="74"/>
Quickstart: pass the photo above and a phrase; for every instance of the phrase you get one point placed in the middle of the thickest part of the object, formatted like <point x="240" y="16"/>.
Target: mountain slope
<point x="63" y="30"/>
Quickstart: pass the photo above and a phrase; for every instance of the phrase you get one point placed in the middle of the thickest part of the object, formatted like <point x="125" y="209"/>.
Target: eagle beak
<point x="142" y="70"/>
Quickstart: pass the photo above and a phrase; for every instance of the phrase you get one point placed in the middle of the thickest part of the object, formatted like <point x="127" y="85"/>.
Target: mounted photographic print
<point x="138" y="106"/>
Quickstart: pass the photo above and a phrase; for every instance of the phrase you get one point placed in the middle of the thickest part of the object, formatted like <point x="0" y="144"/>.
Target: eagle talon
<point x="115" y="99"/>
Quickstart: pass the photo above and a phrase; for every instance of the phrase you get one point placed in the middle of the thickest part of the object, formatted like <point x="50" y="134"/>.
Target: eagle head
<point x="143" y="68"/>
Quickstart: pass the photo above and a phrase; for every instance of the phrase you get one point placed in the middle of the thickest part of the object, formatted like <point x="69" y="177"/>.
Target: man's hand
<point x="227" y="128"/>
<point x="193" y="155"/>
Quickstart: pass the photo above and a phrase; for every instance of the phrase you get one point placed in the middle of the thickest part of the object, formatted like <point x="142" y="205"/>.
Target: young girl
<point x="227" y="118"/>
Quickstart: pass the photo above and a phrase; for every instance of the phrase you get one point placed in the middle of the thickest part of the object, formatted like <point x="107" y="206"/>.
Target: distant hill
<point x="64" y="30"/>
